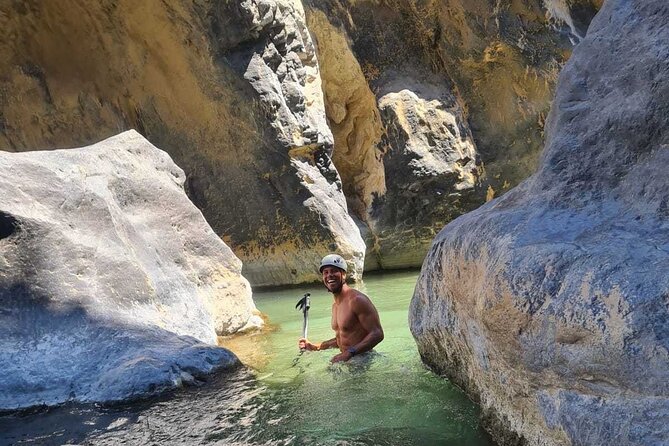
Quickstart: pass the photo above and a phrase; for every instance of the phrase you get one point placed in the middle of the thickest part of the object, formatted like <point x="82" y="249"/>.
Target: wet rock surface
<point x="112" y="284"/>
<point x="549" y="305"/>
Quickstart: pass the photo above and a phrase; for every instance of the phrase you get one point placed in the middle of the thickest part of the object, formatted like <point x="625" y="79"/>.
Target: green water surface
<point x="387" y="397"/>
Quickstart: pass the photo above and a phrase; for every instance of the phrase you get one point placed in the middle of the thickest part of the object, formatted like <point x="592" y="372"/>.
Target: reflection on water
<point x="284" y="397"/>
<point x="222" y="412"/>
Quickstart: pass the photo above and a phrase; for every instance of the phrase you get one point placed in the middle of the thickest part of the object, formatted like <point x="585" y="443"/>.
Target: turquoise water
<point x="284" y="398"/>
<point x="385" y="398"/>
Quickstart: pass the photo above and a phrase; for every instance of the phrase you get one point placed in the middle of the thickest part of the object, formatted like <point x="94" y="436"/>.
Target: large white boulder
<point x="112" y="284"/>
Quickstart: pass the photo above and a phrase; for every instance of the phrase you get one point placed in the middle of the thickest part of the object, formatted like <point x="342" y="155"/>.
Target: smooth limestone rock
<point x="112" y="284"/>
<point x="550" y="304"/>
<point x="231" y="90"/>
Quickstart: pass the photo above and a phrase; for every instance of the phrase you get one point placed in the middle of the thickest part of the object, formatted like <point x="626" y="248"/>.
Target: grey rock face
<point x="431" y="170"/>
<point x="112" y="284"/>
<point x="284" y="71"/>
<point x="549" y="305"/>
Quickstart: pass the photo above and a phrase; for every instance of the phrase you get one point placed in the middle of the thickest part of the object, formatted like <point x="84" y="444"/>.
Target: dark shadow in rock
<point x="55" y="351"/>
<point x="8" y="225"/>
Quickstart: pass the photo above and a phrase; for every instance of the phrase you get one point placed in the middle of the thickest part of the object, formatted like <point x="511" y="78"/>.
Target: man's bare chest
<point x="343" y="318"/>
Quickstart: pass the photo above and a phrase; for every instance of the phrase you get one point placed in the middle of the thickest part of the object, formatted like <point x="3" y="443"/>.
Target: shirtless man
<point x="355" y="320"/>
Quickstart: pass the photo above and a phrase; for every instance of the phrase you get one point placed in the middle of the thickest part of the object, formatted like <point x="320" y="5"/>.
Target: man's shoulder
<point x="359" y="298"/>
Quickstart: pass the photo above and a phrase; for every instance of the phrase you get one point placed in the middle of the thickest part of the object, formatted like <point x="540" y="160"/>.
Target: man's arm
<point x="368" y="317"/>
<point x="305" y="344"/>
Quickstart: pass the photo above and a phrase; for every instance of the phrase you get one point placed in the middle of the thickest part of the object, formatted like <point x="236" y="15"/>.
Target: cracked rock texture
<point x="294" y="147"/>
<point x="231" y="90"/>
<point x="431" y="167"/>
<point x="490" y="66"/>
<point x="550" y="304"/>
<point x="112" y="284"/>
<point x="312" y="218"/>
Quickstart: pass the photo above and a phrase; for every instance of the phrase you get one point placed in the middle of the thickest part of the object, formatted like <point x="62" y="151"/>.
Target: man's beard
<point x="336" y="287"/>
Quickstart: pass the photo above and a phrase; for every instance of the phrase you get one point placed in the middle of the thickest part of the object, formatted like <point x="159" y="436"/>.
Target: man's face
<point x="333" y="278"/>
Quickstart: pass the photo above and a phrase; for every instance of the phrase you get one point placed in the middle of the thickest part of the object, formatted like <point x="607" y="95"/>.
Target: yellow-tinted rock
<point x="493" y="65"/>
<point x="229" y="89"/>
<point x="353" y="115"/>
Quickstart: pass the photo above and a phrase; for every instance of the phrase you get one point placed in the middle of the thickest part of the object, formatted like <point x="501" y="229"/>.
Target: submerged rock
<point x="112" y="284"/>
<point x="550" y="304"/>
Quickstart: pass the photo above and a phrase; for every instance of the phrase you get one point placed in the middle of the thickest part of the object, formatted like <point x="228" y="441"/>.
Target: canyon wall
<point x="549" y="305"/>
<point x="461" y="93"/>
<point x="361" y="127"/>
<point x="230" y="89"/>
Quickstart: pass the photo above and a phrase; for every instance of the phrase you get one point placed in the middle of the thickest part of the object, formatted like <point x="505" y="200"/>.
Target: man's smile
<point x="333" y="284"/>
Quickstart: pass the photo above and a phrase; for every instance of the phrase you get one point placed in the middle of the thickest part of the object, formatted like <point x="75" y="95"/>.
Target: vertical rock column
<point x="282" y="68"/>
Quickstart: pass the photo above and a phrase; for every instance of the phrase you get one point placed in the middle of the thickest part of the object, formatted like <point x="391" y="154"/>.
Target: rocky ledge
<point x="112" y="284"/>
<point x="550" y="304"/>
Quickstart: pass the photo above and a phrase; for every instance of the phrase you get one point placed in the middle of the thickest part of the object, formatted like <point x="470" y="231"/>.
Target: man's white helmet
<point x="333" y="260"/>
